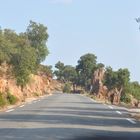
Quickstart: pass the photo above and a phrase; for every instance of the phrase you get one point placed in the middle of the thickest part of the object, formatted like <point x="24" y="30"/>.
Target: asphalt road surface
<point x="67" y="117"/>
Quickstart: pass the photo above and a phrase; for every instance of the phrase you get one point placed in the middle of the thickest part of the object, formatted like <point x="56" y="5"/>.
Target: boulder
<point x="101" y="91"/>
<point x="134" y="102"/>
<point x="98" y="88"/>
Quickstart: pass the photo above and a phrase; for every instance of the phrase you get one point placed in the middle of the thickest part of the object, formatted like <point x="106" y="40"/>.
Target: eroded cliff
<point x="38" y="85"/>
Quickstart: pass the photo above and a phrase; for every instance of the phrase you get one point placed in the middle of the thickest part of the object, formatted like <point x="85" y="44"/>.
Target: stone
<point x="98" y="88"/>
<point x="101" y="91"/>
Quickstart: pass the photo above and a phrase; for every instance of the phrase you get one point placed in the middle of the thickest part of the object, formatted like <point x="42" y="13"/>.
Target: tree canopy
<point x="116" y="79"/>
<point x="59" y="72"/>
<point x="81" y="75"/>
<point x="85" y="68"/>
<point x="38" y="36"/>
<point x="24" y="51"/>
<point x="65" y="73"/>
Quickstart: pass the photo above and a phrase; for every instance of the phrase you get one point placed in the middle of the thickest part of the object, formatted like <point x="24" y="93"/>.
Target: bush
<point x="134" y="89"/>
<point x="2" y="100"/>
<point x="36" y="94"/>
<point x="67" y="88"/>
<point x="126" y="98"/>
<point x="11" y="98"/>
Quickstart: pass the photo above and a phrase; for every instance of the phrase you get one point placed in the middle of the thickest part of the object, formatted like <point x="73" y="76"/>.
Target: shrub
<point x="2" y="100"/>
<point x="126" y="98"/>
<point x="36" y="94"/>
<point x="67" y="88"/>
<point x="11" y="98"/>
<point x="134" y="89"/>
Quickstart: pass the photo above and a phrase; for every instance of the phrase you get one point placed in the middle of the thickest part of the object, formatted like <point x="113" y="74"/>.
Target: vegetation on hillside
<point x="82" y="74"/>
<point x="24" y="51"/>
<point x="7" y="99"/>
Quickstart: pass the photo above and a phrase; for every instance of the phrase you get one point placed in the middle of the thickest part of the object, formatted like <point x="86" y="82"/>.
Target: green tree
<point x="100" y="65"/>
<point x="117" y="80"/>
<point x="24" y="64"/>
<point x="133" y="88"/>
<point x="11" y="36"/>
<point x="45" y="70"/>
<point x="38" y="36"/>
<point x="67" y="88"/>
<point x="85" y="68"/>
<point x="70" y="75"/>
<point x="66" y="73"/>
<point x="24" y="51"/>
<point x="123" y="78"/>
<point x="111" y="78"/>
<point x="7" y="47"/>
<point x="59" y="72"/>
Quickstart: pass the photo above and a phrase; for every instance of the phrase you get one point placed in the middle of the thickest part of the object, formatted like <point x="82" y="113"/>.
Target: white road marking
<point x="10" y="110"/>
<point x="93" y="100"/>
<point x="119" y="112"/>
<point x="104" y="104"/>
<point x="126" y="109"/>
<point x="22" y="105"/>
<point x="110" y="107"/>
<point x="39" y="100"/>
<point x="130" y="120"/>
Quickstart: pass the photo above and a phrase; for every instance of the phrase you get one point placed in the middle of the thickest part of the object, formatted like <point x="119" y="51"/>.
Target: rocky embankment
<point x="102" y="93"/>
<point x="39" y="85"/>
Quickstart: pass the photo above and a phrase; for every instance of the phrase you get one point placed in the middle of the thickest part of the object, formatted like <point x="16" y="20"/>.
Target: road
<point x="67" y="117"/>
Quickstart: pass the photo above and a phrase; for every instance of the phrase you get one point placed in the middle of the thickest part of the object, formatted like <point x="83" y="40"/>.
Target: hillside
<point x="22" y="74"/>
<point x="38" y="85"/>
<point x="102" y="92"/>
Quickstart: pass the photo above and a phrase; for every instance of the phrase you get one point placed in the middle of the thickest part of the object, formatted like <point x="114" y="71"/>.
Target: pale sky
<point x="106" y="28"/>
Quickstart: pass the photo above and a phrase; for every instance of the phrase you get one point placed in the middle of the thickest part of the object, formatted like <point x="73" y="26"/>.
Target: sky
<point x="106" y="28"/>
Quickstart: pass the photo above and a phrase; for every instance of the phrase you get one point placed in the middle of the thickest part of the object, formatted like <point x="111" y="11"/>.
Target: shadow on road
<point x="64" y="134"/>
<point x="67" y="115"/>
<point x="57" y="118"/>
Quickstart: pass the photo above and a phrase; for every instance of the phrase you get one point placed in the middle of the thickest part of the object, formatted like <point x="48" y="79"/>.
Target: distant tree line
<point x="82" y="74"/>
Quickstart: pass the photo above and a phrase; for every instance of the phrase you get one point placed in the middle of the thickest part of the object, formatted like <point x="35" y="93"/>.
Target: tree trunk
<point x="117" y="95"/>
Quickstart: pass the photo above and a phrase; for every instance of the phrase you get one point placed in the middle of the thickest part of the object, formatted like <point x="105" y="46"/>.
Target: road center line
<point x="10" y="110"/>
<point x="22" y="105"/>
<point x="130" y="120"/>
<point x="110" y="107"/>
<point x="119" y="112"/>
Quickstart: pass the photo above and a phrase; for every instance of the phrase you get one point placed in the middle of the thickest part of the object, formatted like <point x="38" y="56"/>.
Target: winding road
<point x="67" y="117"/>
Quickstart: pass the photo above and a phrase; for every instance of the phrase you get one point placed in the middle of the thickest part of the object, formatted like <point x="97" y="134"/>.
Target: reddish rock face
<point x="98" y="88"/>
<point x="134" y="102"/>
<point x="139" y="105"/>
<point x="39" y="84"/>
<point x="114" y="96"/>
<point x="103" y="93"/>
